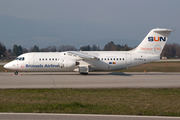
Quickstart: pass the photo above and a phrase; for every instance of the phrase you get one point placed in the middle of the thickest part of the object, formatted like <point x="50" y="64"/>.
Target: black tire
<point x="84" y="73"/>
<point x="16" y="73"/>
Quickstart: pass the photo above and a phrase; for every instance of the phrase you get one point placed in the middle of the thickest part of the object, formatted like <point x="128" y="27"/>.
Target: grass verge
<point x="155" y="67"/>
<point x="122" y="101"/>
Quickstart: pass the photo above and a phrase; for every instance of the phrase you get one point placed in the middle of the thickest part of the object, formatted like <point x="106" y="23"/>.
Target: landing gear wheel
<point x="84" y="73"/>
<point x="16" y="73"/>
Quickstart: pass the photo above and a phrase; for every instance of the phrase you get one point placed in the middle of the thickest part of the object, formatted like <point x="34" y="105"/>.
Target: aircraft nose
<point x="6" y="66"/>
<point x="9" y="65"/>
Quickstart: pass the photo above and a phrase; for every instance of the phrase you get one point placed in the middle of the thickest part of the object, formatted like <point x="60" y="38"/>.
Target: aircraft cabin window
<point x="101" y="58"/>
<point x="111" y="58"/>
<point x="56" y="59"/>
<point x="46" y="59"/>
<point x="123" y="58"/>
<point x="43" y="59"/>
<point x="64" y="53"/>
<point x="114" y="59"/>
<point x="117" y="58"/>
<point x="52" y="58"/>
<point x="40" y="59"/>
<point x="49" y="58"/>
<point x="108" y="59"/>
<point x="104" y="58"/>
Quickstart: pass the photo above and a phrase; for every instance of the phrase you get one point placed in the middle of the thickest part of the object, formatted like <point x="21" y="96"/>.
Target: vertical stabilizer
<point x="154" y="42"/>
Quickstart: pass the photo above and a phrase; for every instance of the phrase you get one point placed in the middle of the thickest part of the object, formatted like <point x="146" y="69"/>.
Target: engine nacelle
<point x="67" y="63"/>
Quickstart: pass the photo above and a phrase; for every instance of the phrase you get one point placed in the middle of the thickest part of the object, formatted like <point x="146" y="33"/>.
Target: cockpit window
<point x="20" y="58"/>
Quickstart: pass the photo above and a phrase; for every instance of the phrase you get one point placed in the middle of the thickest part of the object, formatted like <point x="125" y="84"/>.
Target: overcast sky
<point x="117" y="19"/>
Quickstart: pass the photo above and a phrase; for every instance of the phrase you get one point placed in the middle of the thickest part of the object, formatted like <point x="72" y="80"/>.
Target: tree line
<point x="169" y="51"/>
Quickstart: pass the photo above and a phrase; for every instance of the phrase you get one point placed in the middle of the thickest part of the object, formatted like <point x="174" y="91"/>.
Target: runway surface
<point x="42" y="116"/>
<point x="92" y="80"/>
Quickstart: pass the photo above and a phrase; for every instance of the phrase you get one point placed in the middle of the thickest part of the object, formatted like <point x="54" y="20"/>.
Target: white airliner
<point x="86" y="61"/>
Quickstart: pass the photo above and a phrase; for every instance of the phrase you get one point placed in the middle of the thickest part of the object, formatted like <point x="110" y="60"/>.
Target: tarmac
<point x="92" y="80"/>
<point x="48" y="116"/>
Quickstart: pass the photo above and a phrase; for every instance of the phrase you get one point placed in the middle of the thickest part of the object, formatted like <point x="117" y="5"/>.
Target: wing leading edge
<point x="82" y="55"/>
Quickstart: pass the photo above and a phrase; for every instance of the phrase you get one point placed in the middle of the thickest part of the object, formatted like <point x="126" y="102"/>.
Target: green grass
<point x="4" y="70"/>
<point x="155" y="67"/>
<point x="123" y="101"/>
<point x="1" y="68"/>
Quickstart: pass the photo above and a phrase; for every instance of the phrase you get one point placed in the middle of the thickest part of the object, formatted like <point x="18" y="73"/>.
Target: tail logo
<point x="156" y="39"/>
<point x="157" y="49"/>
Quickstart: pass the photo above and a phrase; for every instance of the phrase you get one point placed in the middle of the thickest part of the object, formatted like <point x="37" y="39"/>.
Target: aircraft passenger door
<point x="31" y="60"/>
<point x="17" y="63"/>
<point x="128" y="59"/>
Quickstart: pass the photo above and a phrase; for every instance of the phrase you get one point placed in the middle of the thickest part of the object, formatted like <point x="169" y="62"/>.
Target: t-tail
<point x="154" y="42"/>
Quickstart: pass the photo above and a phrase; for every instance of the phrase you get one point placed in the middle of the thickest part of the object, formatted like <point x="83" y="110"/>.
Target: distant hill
<point x="27" y="32"/>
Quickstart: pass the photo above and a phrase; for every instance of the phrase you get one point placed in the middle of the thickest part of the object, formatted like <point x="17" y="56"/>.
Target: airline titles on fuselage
<point x="41" y="66"/>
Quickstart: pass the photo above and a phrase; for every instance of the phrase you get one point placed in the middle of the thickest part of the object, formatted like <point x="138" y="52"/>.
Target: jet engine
<point x="67" y="63"/>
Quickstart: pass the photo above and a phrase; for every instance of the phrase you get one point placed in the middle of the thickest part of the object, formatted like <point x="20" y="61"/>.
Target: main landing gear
<point x="16" y="73"/>
<point x="83" y="73"/>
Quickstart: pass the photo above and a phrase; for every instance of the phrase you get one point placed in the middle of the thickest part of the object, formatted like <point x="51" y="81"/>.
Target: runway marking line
<point x="91" y="115"/>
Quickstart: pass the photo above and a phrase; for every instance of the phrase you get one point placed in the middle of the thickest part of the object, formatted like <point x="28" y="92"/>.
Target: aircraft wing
<point x="82" y="55"/>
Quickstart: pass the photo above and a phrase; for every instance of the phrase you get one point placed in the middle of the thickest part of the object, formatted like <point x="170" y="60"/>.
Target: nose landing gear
<point x="16" y="73"/>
